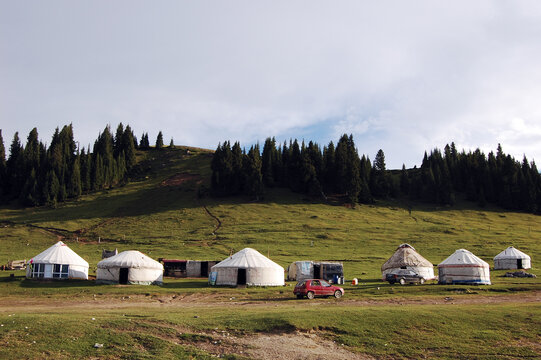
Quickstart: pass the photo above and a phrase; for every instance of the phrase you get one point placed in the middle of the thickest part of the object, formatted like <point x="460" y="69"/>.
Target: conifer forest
<point x="36" y="174"/>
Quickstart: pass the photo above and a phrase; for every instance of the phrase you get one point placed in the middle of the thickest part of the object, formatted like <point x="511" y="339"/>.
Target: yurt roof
<point x="463" y="257"/>
<point x="511" y="253"/>
<point x="59" y="253"/>
<point x="405" y="255"/>
<point x="247" y="258"/>
<point x="130" y="259"/>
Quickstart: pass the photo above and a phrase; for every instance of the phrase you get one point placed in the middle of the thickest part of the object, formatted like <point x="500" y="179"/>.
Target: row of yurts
<point x="252" y="268"/>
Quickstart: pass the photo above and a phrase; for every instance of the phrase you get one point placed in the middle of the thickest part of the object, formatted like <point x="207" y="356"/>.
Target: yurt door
<point x="519" y="263"/>
<point x="241" y="277"/>
<point x="204" y="268"/>
<point x="123" y="276"/>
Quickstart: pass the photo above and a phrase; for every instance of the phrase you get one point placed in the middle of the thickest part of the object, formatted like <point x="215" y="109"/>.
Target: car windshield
<point x="324" y="283"/>
<point x="300" y="283"/>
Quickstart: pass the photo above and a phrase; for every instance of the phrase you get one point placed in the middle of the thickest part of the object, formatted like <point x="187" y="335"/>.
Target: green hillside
<point x="159" y="212"/>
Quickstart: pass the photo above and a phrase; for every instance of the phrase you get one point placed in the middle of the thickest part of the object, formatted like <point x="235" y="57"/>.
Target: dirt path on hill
<point x="104" y="302"/>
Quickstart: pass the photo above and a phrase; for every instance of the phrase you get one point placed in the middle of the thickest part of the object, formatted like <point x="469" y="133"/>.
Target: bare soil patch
<point x="182" y="178"/>
<point x="296" y="345"/>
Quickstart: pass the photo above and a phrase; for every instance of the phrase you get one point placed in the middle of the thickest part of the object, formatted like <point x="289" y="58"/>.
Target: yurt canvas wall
<point x="247" y="267"/>
<point x="130" y="267"/>
<point x="199" y="268"/>
<point x="405" y="257"/>
<point x="512" y="258"/>
<point x="463" y="267"/>
<point x="57" y="262"/>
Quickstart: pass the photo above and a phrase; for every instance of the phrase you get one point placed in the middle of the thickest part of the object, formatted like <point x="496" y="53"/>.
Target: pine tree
<point x="404" y="180"/>
<point x="294" y="166"/>
<point x="237" y="183"/>
<point x="267" y="164"/>
<point x="53" y="188"/>
<point x="118" y="141"/>
<point x="329" y="168"/>
<point x="252" y="171"/>
<point x="380" y="179"/>
<point x="74" y="185"/>
<point x="159" y="141"/>
<point x="128" y="147"/>
<point x="14" y="168"/>
<point x="144" y="144"/>
<point x="171" y="144"/>
<point x="85" y="170"/>
<point x="341" y="164"/>
<point x="2" y="165"/>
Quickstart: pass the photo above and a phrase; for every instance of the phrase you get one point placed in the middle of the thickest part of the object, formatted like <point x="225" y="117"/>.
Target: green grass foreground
<point x="410" y="331"/>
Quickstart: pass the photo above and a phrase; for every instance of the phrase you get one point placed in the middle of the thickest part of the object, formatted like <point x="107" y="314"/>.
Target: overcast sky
<point x="403" y="76"/>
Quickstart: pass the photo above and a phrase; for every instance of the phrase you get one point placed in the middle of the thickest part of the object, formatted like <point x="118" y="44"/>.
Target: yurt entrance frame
<point x="241" y="276"/>
<point x="123" y="275"/>
<point x="204" y="269"/>
<point x="519" y="264"/>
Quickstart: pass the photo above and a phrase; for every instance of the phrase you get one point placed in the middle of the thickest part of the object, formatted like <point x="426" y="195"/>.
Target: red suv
<point x="316" y="287"/>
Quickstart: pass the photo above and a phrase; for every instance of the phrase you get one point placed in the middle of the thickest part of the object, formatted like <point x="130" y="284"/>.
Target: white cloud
<point x="404" y="77"/>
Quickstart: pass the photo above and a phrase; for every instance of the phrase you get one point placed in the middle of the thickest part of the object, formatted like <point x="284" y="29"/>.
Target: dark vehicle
<point x="404" y="276"/>
<point x="317" y="287"/>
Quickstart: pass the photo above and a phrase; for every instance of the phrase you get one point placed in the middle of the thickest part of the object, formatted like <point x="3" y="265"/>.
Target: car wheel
<point x="338" y="294"/>
<point x="310" y="295"/>
<point x="402" y="281"/>
<point x="421" y="281"/>
<point x="391" y="282"/>
<point x="299" y="296"/>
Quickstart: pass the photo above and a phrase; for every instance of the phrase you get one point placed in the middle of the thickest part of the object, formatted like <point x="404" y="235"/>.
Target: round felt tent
<point x="463" y="267"/>
<point x="57" y="262"/>
<point x="512" y="258"/>
<point x="130" y="267"/>
<point x="405" y="257"/>
<point x="248" y="267"/>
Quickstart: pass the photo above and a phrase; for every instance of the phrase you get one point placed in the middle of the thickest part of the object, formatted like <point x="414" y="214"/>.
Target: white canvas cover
<point x="405" y="257"/>
<point x="58" y="254"/>
<point x="300" y="270"/>
<point x="463" y="267"/>
<point x="259" y="270"/>
<point x="141" y="269"/>
<point x="512" y="258"/>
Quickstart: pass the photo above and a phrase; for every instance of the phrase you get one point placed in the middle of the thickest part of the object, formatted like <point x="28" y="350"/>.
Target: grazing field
<point x="185" y="319"/>
<point x="161" y="214"/>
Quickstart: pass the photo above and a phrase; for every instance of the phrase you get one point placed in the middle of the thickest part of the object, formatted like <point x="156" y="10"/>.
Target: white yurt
<point x="129" y="267"/>
<point x="405" y="257"/>
<point x="512" y="258"/>
<point x="247" y="267"/>
<point x="57" y="262"/>
<point x="463" y="267"/>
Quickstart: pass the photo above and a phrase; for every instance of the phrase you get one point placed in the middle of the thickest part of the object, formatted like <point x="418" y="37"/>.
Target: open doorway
<point x="241" y="277"/>
<point x="123" y="276"/>
<point x="317" y="271"/>
<point x="519" y="264"/>
<point x="204" y="268"/>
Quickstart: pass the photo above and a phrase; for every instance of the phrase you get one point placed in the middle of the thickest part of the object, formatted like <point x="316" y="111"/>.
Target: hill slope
<point x="160" y="214"/>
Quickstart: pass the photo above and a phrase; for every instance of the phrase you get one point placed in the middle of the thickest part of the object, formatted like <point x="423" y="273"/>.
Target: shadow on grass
<point x="56" y="284"/>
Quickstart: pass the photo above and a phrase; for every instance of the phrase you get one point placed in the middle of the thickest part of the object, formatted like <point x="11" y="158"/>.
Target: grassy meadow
<point x="166" y="221"/>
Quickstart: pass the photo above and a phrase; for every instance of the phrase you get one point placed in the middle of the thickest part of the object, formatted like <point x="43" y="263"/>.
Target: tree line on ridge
<point x="36" y="174"/>
<point x="306" y="168"/>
